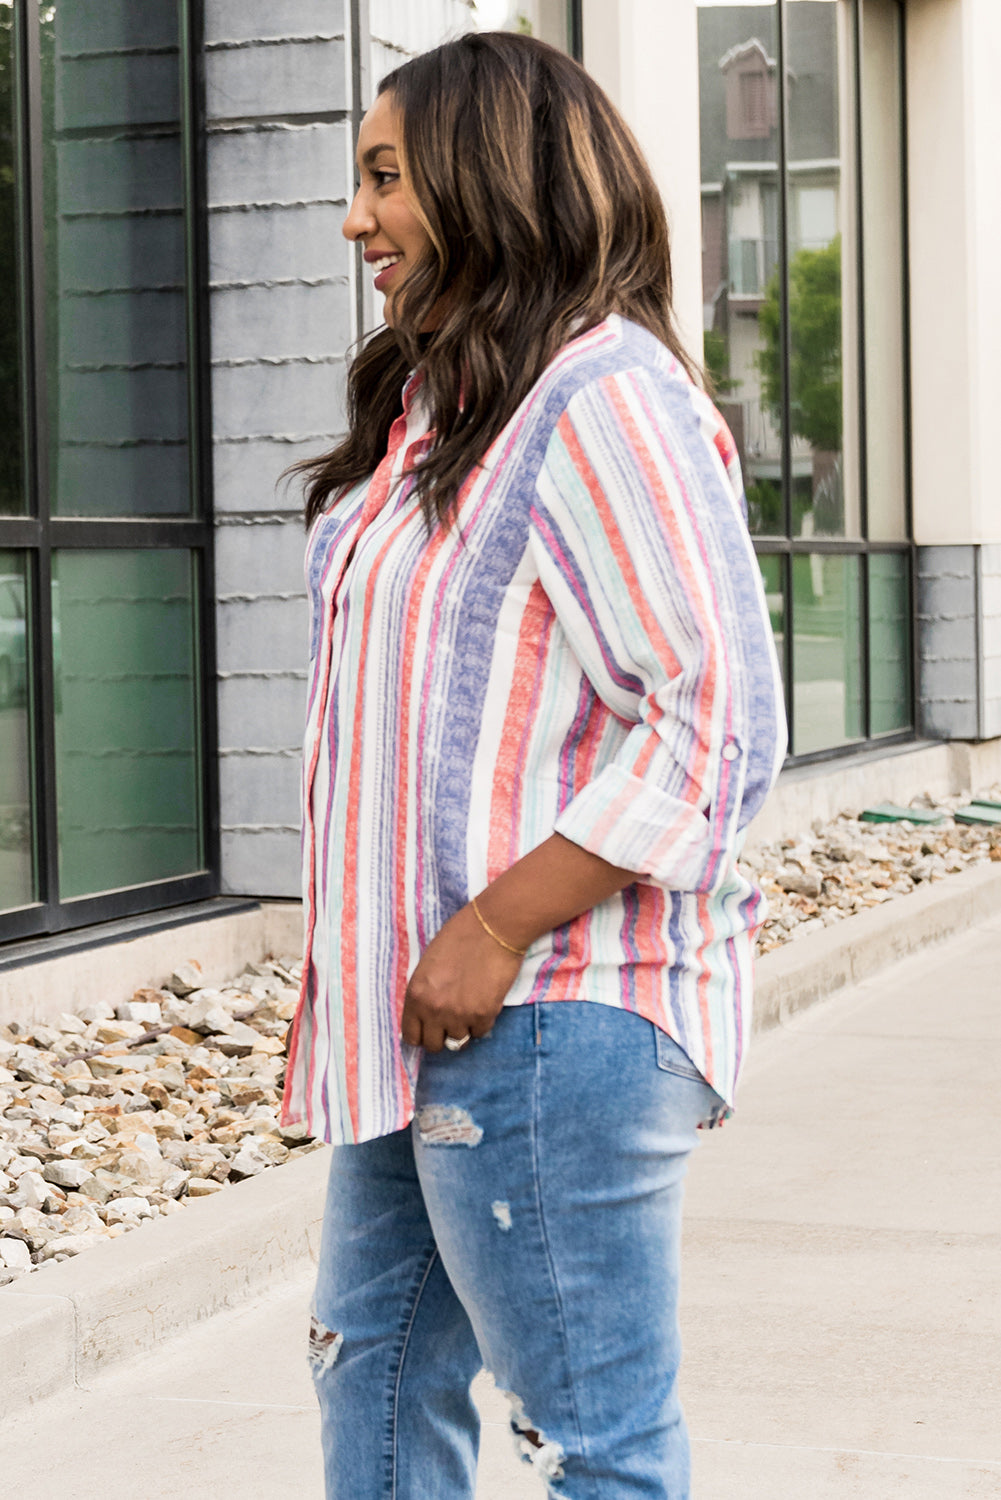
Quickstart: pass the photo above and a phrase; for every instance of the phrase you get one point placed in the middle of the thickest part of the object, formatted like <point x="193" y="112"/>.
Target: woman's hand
<point x="459" y="984"/>
<point x="458" y="987"/>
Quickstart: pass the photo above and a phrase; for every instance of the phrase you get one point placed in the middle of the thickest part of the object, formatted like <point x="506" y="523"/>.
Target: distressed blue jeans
<point x="528" y="1221"/>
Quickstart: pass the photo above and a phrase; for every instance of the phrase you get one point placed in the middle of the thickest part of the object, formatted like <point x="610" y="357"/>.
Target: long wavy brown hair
<point x="543" y="218"/>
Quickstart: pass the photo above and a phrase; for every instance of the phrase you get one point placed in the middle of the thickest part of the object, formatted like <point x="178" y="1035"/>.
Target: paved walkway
<point x="842" y="1291"/>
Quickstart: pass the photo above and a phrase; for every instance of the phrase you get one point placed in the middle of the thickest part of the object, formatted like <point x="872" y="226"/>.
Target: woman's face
<point x="382" y="216"/>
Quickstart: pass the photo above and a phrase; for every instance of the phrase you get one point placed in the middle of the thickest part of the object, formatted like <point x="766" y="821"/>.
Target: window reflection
<point x="115" y="259"/>
<point x="822" y="270"/>
<point x="827" y="652"/>
<point x="774" y="586"/>
<point x="11" y="491"/>
<point x="127" y="764"/>
<point x="739" y="104"/>
<point x="546" y="19"/>
<point x="889" y="642"/>
<point x="17" y="885"/>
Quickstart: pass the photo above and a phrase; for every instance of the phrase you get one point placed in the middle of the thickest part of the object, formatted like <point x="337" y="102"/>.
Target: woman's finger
<point x="433" y="1036"/>
<point x="410" y="1027"/>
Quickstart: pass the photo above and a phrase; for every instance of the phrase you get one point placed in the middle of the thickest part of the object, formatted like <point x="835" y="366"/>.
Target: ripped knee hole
<point x="324" y="1346"/>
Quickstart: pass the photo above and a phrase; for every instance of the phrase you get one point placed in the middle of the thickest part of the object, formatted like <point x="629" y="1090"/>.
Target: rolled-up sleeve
<point x="642" y="548"/>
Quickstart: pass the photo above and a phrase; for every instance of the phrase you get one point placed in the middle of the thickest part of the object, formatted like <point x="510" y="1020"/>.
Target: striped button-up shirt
<point x="585" y="649"/>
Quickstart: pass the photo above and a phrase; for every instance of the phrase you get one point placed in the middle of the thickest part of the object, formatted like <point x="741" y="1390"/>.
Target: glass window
<point x="115" y="260"/>
<point x="883" y="234"/>
<point x="548" y="19"/>
<point x="774" y="586"/>
<point x="803" y="274"/>
<point x="101" y="779"/>
<point x="738" y="52"/>
<point x="12" y="499"/>
<point x="889" y="642"/>
<point x="127" y="767"/>
<point x="826" y="651"/>
<point x="823" y="282"/>
<point x="17" y="872"/>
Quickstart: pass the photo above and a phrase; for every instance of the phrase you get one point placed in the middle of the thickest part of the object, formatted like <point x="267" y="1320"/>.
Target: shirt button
<point x="730" y="751"/>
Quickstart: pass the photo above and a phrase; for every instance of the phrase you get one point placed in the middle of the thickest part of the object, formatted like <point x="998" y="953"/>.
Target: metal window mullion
<point x="863" y="420"/>
<point x="575" y="29"/>
<point x="32" y="245"/>
<point x="908" y="416"/>
<point x="785" y="330"/>
<point x="865" y="643"/>
<point x="785" y="346"/>
<point x="139" y="532"/>
<point x="194" y="137"/>
<point x="787" y="656"/>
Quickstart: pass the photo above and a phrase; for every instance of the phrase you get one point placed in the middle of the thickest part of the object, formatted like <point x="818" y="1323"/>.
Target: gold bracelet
<point x="496" y="936"/>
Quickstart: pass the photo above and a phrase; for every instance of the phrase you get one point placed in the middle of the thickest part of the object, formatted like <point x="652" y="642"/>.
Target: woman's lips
<point x="385" y="276"/>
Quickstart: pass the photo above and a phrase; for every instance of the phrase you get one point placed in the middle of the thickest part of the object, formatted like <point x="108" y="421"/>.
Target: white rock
<point x="805" y="881"/>
<point x="174" y="1181"/>
<point x="71" y="1244"/>
<point x="238" y="1034"/>
<point x="147" y="1012"/>
<point x="248" y="1161"/>
<point x="208" y="1015"/>
<point x="127" y="1210"/>
<point x="20" y="1164"/>
<point x="14" y="1254"/>
<point x="78" y="1070"/>
<point x="186" y="978"/>
<point x="140" y="1169"/>
<point x="66" y="1174"/>
<point x="32" y="1191"/>
<point x="31" y="1065"/>
<point x="46" y="1037"/>
<point x="100" y="1011"/>
<point x="79" y="1220"/>
<point x="203" y="1187"/>
<point x="71" y="1024"/>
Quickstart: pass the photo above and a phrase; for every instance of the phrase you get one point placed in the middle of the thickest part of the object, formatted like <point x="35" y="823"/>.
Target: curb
<point x="67" y="1324"/>
<point x="802" y="972"/>
<point x="122" y="1299"/>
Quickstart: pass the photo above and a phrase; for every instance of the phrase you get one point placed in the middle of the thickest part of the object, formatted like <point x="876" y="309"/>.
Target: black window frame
<point x="38" y="532"/>
<point x="786" y="547"/>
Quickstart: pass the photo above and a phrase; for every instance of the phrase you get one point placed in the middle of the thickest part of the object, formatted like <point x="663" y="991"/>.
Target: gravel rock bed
<point x="116" y="1116"/>
<point x="843" y="867"/>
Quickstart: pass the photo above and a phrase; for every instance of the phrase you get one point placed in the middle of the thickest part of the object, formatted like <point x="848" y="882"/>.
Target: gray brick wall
<point x="990" y="638"/>
<point x="283" y="301"/>
<point x="958" y="610"/>
<point x="278" y="82"/>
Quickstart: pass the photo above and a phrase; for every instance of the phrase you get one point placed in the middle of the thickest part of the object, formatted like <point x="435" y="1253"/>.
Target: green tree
<point x="716" y="357"/>
<point x="815" y="339"/>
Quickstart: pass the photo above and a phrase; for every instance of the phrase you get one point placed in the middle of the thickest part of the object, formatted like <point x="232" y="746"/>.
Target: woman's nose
<point x="359" y="221"/>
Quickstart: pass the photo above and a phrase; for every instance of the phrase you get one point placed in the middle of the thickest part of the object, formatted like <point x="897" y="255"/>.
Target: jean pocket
<point x="671" y="1058"/>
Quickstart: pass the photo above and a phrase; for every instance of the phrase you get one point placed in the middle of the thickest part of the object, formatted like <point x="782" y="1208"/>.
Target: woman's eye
<point x="383" y="178"/>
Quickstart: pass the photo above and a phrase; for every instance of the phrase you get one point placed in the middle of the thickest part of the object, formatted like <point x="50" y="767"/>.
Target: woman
<point x="544" y="703"/>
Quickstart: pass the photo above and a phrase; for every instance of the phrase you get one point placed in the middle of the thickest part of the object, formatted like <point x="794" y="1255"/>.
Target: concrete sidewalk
<point x="842" y="1295"/>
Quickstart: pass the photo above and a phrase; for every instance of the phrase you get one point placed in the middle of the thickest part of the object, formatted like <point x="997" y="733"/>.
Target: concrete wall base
<point x="222" y="945"/>
<point x="806" y="793"/>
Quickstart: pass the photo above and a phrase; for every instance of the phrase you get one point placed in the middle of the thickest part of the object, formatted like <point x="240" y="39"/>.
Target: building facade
<point x="179" y="306"/>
